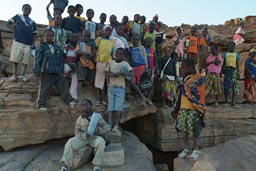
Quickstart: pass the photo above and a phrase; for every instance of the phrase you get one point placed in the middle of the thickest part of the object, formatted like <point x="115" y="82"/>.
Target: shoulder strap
<point x="166" y="64"/>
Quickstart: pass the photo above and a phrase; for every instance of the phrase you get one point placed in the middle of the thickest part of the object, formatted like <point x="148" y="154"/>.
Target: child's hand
<point x="79" y="52"/>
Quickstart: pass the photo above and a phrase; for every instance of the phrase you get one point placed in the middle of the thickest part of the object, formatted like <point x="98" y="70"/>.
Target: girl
<point x="179" y="42"/>
<point x="213" y="63"/>
<point x="231" y="71"/>
<point x="250" y="77"/>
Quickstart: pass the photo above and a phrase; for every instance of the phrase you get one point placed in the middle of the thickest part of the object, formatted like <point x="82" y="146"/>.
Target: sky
<point x="170" y="12"/>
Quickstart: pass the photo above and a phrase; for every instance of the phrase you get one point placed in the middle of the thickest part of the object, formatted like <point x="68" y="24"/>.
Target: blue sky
<point x="170" y="12"/>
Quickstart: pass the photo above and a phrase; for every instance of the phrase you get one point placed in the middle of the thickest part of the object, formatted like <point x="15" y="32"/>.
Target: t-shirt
<point x="115" y="67"/>
<point x="153" y="36"/>
<point x="193" y="43"/>
<point x="119" y="42"/>
<point x="202" y="41"/>
<point x="60" y="36"/>
<point x="24" y="29"/>
<point x="91" y="26"/>
<point x="72" y="24"/>
<point x="138" y="56"/>
<point x="212" y="68"/>
<point x="80" y="18"/>
<point x="136" y="28"/>
<point x="160" y="37"/>
<point x="231" y="58"/>
<point x="151" y="57"/>
<point x="70" y="53"/>
<point x="251" y="66"/>
<point x="105" y="49"/>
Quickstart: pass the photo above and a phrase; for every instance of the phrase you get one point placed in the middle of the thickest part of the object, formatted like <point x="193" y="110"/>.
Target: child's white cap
<point x="107" y="26"/>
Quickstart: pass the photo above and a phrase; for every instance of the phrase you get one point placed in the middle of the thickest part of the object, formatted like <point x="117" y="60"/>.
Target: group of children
<point x="119" y="54"/>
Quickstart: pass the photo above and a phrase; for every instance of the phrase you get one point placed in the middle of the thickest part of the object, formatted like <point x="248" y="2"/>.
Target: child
<point x="116" y="70"/>
<point x="151" y="33"/>
<point x="49" y="68"/>
<point x="60" y="35"/>
<point x="160" y="40"/>
<point x="191" y="44"/>
<point x="119" y="39"/>
<point x="100" y="25"/>
<point x="90" y="25"/>
<point x="138" y="59"/>
<point x="167" y="65"/>
<point x="179" y="43"/>
<point x="125" y="23"/>
<point x="71" y="23"/>
<point x="85" y="66"/>
<point x="151" y="57"/>
<point x="70" y="63"/>
<point x="24" y="37"/>
<point x="56" y="11"/>
<point x="79" y="11"/>
<point x="250" y="77"/>
<point x="213" y="64"/>
<point x="203" y="49"/>
<point x="105" y="48"/>
<point x="113" y="22"/>
<point x="135" y="27"/>
<point x="86" y="135"/>
<point x="238" y="37"/>
<point x="231" y="71"/>
<point x="144" y="27"/>
<point x="190" y="108"/>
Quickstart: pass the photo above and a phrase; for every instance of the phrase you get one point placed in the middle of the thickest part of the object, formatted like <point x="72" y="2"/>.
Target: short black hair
<point x="86" y="100"/>
<point x="231" y="43"/>
<point x="71" y="7"/>
<point x="103" y="14"/>
<point x="23" y="6"/>
<point x="189" y="62"/>
<point x="79" y="6"/>
<point x="89" y="10"/>
<point x="121" y="49"/>
<point x="50" y="30"/>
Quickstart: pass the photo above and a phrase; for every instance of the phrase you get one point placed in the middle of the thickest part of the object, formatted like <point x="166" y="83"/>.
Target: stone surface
<point x="222" y="124"/>
<point x="21" y="123"/>
<point x="113" y="155"/>
<point x="235" y="155"/>
<point x="46" y="157"/>
<point x="114" y="136"/>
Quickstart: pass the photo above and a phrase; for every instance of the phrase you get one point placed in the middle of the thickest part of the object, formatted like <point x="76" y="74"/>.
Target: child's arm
<point x="38" y="61"/>
<point x="49" y="16"/>
<point x="11" y="23"/>
<point x="237" y="68"/>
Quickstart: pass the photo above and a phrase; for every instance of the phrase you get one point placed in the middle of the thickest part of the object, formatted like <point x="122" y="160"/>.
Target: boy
<point x="116" y="70"/>
<point x="135" y="27"/>
<point x="86" y="135"/>
<point x="70" y="63"/>
<point x="105" y="48"/>
<point x="100" y="25"/>
<point x="79" y="11"/>
<point x="71" y="23"/>
<point x="49" y="68"/>
<point x="90" y="25"/>
<point x="230" y="69"/>
<point x="203" y="50"/>
<point x="190" y="108"/>
<point x="151" y="56"/>
<point x="60" y="35"/>
<point x="56" y="11"/>
<point x="191" y="44"/>
<point x="151" y="33"/>
<point x="24" y="37"/>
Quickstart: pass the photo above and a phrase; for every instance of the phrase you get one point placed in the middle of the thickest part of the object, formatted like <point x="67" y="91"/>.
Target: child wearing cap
<point x="105" y="47"/>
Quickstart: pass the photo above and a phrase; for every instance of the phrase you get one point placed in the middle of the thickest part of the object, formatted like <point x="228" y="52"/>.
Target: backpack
<point x="145" y="82"/>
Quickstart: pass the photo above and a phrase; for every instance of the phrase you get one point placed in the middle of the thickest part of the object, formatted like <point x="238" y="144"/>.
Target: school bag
<point x="145" y="82"/>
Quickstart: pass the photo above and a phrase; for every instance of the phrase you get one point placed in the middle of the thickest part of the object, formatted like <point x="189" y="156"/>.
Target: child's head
<point x="136" y="18"/>
<point x="87" y="35"/>
<point x="107" y="30"/>
<point x="103" y="17"/>
<point x="136" y="40"/>
<point x="142" y="19"/>
<point x="179" y="30"/>
<point x="120" y="54"/>
<point x="231" y="46"/>
<point x="26" y="9"/>
<point x="112" y="19"/>
<point x="56" y="11"/>
<point x="86" y="105"/>
<point x="120" y="29"/>
<point x="205" y="31"/>
<point x="214" y="49"/>
<point x="71" y="10"/>
<point x="155" y="18"/>
<point x="252" y="53"/>
<point x="90" y="14"/>
<point x="57" y="20"/>
<point x="79" y="9"/>
<point x="167" y="51"/>
<point x="125" y="19"/>
<point x="48" y="36"/>
<point x="73" y="38"/>
<point x="148" y="42"/>
<point x="187" y="67"/>
<point x="193" y="30"/>
<point x="152" y="27"/>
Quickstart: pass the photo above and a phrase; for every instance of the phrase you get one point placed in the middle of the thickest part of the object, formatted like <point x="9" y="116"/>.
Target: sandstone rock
<point x="161" y="167"/>
<point x="250" y="19"/>
<point x="113" y="155"/>
<point x="114" y="136"/>
<point x="235" y="155"/>
<point x="46" y="157"/>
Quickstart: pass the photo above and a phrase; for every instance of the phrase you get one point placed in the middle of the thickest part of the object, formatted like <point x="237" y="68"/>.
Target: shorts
<point x="138" y="71"/>
<point x="20" y="53"/>
<point x="116" y="97"/>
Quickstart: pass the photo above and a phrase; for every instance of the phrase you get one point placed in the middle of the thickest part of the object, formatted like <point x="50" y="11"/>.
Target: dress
<point x="249" y="82"/>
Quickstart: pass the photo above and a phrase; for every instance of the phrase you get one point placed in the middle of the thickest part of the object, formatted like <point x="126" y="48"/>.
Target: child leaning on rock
<point x="49" y="68"/>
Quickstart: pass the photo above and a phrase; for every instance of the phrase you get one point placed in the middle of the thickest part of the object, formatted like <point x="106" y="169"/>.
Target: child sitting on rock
<point x="88" y="127"/>
<point x="49" y="68"/>
<point x="190" y="108"/>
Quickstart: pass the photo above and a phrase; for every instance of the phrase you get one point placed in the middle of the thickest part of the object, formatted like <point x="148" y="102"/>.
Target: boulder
<point x="235" y="155"/>
<point x="46" y="157"/>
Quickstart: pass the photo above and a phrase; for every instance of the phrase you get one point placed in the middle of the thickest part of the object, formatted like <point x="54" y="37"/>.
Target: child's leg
<point x="14" y="70"/>
<point x="23" y="69"/>
<point x="233" y="94"/>
<point x="185" y="140"/>
<point x="195" y="143"/>
<point x="98" y="143"/>
<point x="73" y="86"/>
<point x="118" y="117"/>
<point x="79" y="89"/>
<point x="46" y="83"/>
<point x="110" y="118"/>
<point x="98" y="97"/>
<point x="63" y="89"/>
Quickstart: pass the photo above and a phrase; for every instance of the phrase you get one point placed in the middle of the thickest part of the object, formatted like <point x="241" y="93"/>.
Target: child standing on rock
<point x="190" y="108"/>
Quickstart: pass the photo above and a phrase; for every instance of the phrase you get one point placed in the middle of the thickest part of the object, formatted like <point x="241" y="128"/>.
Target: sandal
<point x="97" y="168"/>
<point x="184" y="153"/>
